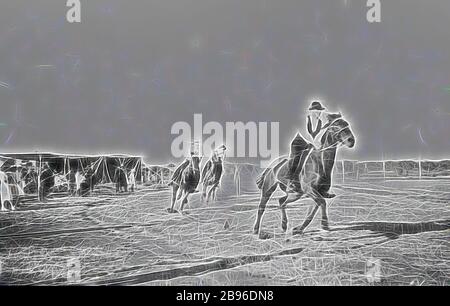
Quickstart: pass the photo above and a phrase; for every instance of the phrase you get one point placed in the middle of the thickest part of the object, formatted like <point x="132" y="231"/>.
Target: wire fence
<point x="240" y="178"/>
<point x="346" y="170"/>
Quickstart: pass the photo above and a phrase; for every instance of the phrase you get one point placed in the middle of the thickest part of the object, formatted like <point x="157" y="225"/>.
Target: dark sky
<point x="120" y="79"/>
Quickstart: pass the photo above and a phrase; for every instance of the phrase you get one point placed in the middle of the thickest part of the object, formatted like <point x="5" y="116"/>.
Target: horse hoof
<point x="171" y="211"/>
<point x="284" y="228"/>
<point x="297" y="232"/>
<point x="265" y="235"/>
<point x="325" y="226"/>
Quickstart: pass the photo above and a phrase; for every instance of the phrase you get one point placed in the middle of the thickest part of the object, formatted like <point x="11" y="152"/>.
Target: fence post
<point x="67" y="177"/>
<point x="343" y="171"/>
<point x="420" y="168"/>
<point x="384" y="170"/>
<point x="141" y="172"/>
<point x="357" y="171"/>
<point x="39" y="179"/>
<point x="237" y="179"/>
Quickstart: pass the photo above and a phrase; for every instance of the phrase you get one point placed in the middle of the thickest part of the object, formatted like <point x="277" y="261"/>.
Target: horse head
<point x="338" y="132"/>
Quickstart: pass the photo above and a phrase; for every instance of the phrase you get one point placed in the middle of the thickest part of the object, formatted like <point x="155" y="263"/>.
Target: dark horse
<point x="314" y="178"/>
<point x="185" y="181"/>
<point x="211" y="175"/>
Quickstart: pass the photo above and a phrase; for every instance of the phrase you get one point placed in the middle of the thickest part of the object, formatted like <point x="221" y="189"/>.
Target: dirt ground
<point x="383" y="233"/>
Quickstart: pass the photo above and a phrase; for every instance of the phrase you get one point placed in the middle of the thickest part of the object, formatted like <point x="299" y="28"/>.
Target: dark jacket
<point x="315" y="132"/>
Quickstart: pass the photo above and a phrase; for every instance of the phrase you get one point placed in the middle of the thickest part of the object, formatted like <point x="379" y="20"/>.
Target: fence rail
<point x="391" y="169"/>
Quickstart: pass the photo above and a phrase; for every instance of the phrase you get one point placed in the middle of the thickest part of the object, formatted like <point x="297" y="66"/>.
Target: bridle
<point x="331" y="126"/>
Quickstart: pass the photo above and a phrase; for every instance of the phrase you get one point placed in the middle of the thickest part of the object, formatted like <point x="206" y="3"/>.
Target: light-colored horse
<point x="186" y="182"/>
<point x="314" y="178"/>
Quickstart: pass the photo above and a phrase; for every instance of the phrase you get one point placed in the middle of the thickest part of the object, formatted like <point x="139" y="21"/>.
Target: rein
<point x="334" y="145"/>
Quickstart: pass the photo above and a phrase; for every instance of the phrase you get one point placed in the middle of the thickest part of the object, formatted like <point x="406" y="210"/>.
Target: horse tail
<point x="261" y="177"/>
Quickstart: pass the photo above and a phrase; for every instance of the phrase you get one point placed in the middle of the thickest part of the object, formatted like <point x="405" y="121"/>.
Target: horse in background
<point x="212" y="174"/>
<point x="312" y="179"/>
<point x="185" y="181"/>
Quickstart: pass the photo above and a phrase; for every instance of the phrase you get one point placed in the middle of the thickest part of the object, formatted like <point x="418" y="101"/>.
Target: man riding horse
<point x="185" y="179"/>
<point x="308" y="170"/>
<point x="300" y="148"/>
<point x="212" y="173"/>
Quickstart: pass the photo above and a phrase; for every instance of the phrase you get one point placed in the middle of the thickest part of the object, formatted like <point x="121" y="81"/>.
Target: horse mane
<point x="332" y="117"/>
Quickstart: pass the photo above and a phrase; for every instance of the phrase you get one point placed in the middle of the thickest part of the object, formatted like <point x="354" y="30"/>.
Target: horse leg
<point x="185" y="200"/>
<point x="319" y="202"/>
<point x="174" y="197"/>
<point x="204" y="190"/>
<point x="287" y="199"/>
<point x="265" y="196"/>
<point x="212" y="193"/>
<point x="215" y="195"/>
<point x="284" y="220"/>
<point x="208" y="197"/>
<point x="180" y="193"/>
<point x="324" y="223"/>
<point x="291" y="198"/>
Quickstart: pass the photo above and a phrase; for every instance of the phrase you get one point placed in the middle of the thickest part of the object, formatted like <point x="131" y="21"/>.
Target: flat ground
<point x="402" y="226"/>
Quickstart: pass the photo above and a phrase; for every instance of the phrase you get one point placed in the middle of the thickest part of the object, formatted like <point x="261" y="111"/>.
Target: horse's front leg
<point x="324" y="223"/>
<point x="318" y="202"/>
<point x="211" y="193"/>
<point x="208" y="197"/>
<point x="204" y="190"/>
<point x="215" y="194"/>
<point x="174" y="198"/>
<point x="284" y="220"/>
<point x="184" y="201"/>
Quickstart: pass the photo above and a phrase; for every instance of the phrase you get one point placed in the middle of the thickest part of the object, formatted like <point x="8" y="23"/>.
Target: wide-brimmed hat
<point x="316" y="106"/>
